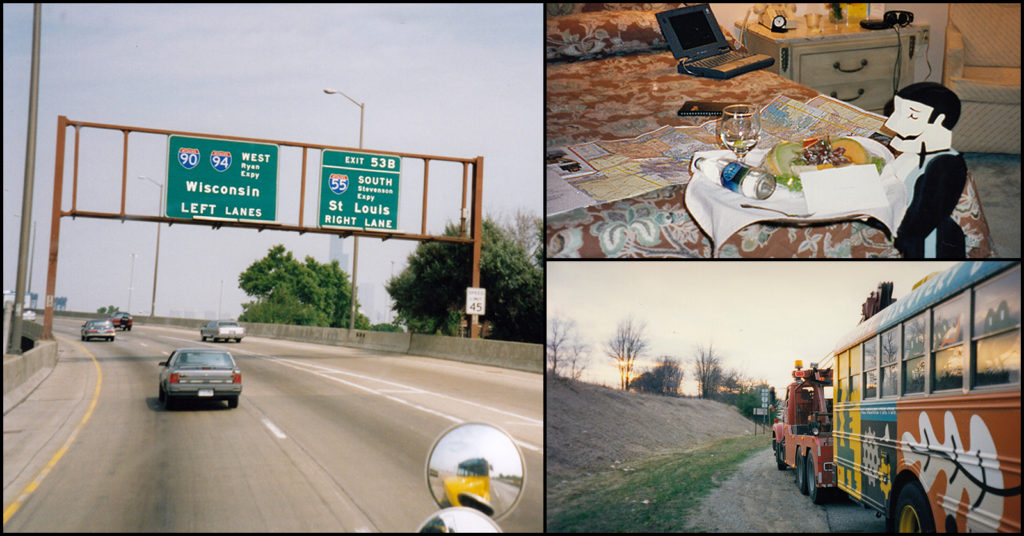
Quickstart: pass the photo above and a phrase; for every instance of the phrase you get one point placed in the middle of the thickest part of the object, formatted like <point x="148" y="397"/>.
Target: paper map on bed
<point x="631" y="167"/>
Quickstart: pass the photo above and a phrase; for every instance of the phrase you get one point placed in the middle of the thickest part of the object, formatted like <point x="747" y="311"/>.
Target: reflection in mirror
<point x="476" y="465"/>
<point x="458" y="519"/>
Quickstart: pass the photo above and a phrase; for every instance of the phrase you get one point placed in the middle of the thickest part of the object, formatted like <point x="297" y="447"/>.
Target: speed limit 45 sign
<point x="475" y="299"/>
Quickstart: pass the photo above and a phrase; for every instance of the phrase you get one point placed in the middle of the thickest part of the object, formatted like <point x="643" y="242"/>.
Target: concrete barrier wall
<point x="511" y="355"/>
<point x="23" y="373"/>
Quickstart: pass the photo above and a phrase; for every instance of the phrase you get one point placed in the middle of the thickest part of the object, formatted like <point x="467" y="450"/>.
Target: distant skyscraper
<point x="341" y="251"/>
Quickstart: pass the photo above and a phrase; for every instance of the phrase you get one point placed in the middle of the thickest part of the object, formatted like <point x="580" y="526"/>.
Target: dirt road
<point x="760" y="498"/>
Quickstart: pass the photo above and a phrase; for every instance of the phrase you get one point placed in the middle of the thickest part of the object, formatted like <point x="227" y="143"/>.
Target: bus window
<point x="871" y="368"/>
<point x="855" y="369"/>
<point x="913" y="354"/>
<point x="997" y="330"/>
<point x="949" y="369"/>
<point x="947" y="341"/>
<point x="890" y="359"/>
<point x="913" y="336"/>
<point x="842" y="365"/>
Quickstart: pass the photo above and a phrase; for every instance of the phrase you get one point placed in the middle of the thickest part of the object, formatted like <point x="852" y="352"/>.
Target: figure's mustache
<point x="908" y="138"/>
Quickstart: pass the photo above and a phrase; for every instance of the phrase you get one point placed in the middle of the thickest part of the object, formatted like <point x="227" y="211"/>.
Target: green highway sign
<point x="359" y="190"/>
<point x="221" y="179"/>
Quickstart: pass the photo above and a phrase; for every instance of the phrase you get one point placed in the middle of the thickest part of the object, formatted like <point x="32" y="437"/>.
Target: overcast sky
<point x="760" y="316"/>
<point x="451" y="80"/>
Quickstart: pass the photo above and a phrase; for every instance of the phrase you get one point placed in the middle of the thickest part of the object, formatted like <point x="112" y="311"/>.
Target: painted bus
<point x="927" y="404"/>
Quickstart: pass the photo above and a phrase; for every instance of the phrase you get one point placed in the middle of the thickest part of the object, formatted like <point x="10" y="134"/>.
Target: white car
<point x="222" y="329"/>
<point x="100" y="329"/>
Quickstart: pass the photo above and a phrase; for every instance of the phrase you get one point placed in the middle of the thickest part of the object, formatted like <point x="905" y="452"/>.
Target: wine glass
<point x="739" y="128"/>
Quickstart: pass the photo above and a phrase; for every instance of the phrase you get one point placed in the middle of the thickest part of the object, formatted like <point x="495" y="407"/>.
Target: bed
<point x="610" y="76"/>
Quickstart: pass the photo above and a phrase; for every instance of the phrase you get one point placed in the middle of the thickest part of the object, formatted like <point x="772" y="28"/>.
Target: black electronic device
<point x="898" y="18"/>
<point x="694" y="108"/>
<point x="696" y="40"/>
<point x="874" y="24"/>
<point x="891" y="19"/>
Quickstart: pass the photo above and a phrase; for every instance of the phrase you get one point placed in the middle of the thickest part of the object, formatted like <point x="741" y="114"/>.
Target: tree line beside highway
<point x="429" y="295"/>
<point x="568" y="357"/>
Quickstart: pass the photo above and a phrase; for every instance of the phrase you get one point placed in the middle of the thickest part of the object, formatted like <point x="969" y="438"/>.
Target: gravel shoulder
<point x="760" y="498"/>
<point x="592" y="428"/>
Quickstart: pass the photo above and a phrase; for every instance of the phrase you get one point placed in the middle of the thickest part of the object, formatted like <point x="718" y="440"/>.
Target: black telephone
<point x="890" y="19"/>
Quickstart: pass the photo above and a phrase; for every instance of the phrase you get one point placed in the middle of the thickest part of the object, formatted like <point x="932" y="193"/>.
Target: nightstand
<point x="844" y="61"/>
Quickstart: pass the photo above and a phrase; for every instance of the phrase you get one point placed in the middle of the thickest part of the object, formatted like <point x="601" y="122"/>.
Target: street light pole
<point x="14" y="345"/>
<point x="131" y="283"/>
<point x="355" y="239"/>
<point x="156" y="257"/>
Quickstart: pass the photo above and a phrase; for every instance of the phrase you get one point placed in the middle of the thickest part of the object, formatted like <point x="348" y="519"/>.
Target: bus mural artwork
<point x="952" y="465"/>
<point x="927" y="410"/>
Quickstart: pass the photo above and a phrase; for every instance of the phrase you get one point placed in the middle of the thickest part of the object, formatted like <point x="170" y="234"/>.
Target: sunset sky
<point x="760" y="316"/>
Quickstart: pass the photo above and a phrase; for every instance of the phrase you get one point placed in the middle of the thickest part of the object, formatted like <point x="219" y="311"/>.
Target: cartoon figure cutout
<point x="923" y="118"/>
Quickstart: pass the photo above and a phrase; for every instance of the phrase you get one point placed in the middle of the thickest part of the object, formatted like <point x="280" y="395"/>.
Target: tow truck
<point x="803" y="438"/>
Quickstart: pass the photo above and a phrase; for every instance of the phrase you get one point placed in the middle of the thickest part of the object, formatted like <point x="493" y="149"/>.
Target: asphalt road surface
<point x="325" y="438"/>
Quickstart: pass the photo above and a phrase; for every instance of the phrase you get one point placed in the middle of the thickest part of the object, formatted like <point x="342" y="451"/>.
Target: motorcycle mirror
<point x="458" y="519"/>
<point x="476" y="466"/>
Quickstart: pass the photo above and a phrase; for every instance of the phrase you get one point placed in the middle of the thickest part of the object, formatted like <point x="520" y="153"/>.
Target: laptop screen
<point x="692" y="31"/>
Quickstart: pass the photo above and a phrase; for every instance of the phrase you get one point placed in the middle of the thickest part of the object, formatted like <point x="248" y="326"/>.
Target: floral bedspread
<point x="623" y="94"/>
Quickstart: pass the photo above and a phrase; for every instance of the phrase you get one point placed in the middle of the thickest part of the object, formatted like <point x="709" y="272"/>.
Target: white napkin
<point x="718" y="211"/>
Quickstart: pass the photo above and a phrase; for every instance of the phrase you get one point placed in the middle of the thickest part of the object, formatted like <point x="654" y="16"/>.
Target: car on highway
<point x="222" y="329"/>
<point x="99" y="329"/>
<point x="199" y="374"/>
<point x="122" y="321"/>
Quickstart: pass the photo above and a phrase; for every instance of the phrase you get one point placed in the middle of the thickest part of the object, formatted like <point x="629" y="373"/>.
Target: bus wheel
<point x="801" y="473"/>
<point x="912" y="511"/>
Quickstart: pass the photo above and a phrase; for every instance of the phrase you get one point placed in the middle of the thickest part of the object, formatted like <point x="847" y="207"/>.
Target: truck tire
<point x="780" y="456"/>
<point x="801" y="473"/>
<point x="913" y="514"/>
<point x="816" y="494"/>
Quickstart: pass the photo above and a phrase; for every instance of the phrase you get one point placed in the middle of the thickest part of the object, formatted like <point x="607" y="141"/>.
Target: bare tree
<point x="707" y="369"/>
<point x="732" y="383"/>
<point x="664" y="378"/>
<point x="628" y="343"/>
<point x="558" y="342"/>
<point x="578" y="359"/>
<point x="567" y="356"/>
<point x="669" y="373"/>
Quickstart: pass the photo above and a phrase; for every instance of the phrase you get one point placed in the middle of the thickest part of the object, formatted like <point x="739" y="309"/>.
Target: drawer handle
<point x="859" y="93"/>
<point x="863" y="63"/>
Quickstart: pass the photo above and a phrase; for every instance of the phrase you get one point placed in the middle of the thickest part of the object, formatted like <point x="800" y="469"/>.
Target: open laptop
<point x="697" y="42"/>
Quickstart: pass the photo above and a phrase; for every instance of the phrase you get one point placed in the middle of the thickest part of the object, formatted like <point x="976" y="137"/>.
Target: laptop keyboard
<point x="721" y="59"/>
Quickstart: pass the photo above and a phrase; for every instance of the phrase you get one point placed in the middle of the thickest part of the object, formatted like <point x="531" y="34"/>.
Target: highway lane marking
<point x="31" y="488"/>
<point x="274" y="429"/>
<point x="325" y="372"/>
